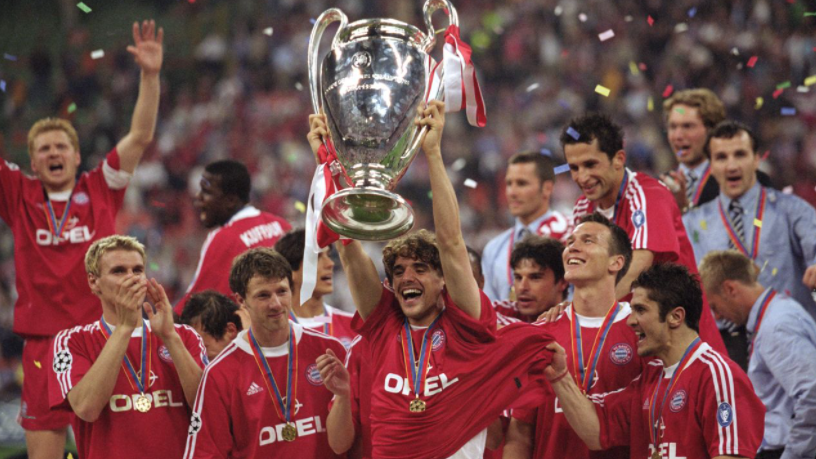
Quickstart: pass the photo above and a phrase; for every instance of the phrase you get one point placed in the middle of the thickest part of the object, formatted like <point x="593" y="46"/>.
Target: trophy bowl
<point x="369" y="86"/>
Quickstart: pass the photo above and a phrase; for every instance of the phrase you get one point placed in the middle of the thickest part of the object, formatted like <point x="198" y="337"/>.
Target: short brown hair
<point x="260" y="261"/>
<point x="419" y="246"/>
<point x="107" y="244"/>
<point x="52" y="124"/>
<point x="708" y="105"/>
<point x="544" y="165"/>
<point x="719" y="266"/>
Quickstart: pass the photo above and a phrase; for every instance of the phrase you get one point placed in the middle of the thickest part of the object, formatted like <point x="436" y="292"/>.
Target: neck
<point x="67" y="187"/>
<point x="109" y="316"/>
<point x="270" y="338"/>
<point x="427" y="319"/>
<point x="611" y="197"/>
<point x="679" y="341"/>
<point x="752" y="294"/>
<point x="527" y="219"/>
<point x="594" y="300"/>
<point x="311" y="308"/>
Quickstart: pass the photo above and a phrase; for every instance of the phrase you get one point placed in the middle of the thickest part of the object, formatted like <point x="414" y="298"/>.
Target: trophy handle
<point x="432" y="6"/>
<point x="323" y="21"/>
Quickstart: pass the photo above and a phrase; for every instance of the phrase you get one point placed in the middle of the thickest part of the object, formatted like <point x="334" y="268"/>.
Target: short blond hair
<point x="52" y="124"/>
<point x="719" y="266"/>
<point x="708" y="105"/>
<point x="110" y="243"/>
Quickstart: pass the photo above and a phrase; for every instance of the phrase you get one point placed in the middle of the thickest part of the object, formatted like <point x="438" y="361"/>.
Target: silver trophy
<point x="369" y="86"/>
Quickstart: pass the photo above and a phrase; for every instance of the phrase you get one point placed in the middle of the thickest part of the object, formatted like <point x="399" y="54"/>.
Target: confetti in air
<point x="759" y="102"/>
<point x="532" y="87"/>
<point x="85" y="8"/>
<point x="3" y="85"/>
<point x="777" y="93"/>
<point x="650" y="104"/>
<point x="692" y="12"/>
<point x="300" y="207"/>
<point x="299" y="86"/>
<point x="810" y="81"/>
<point x="787" y="111"/>
<point x="154" y="266"/>
<point x="573" y="133"/>
<point x="561" y="169"/>
<point x="268" y="31"/>
<point x="784" y="85"/>
<point x="758" y="223"/>
<point x="606" y="35"/>
<point x="98" y="54"/>
<point x="9" y="57"/>
<point x="546" y="152"/>
<point x="680" y="28"/>
<point x="604" y="91"/>
<point x="72" y="108"/>
<point x="668" y="91"/>
<point x="650" y="21"/>
<point x="633" y="68"/>
<point x="459" y="164"/>
<point x="582" y="17"/>
<point x="752" y="62"/>
<point x="470" y="183"/>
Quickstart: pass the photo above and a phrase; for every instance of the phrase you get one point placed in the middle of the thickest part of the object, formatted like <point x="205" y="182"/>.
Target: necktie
<point x="691" y="181"/>
<point x="522" y="234"/>
<point x="735" y="212"/>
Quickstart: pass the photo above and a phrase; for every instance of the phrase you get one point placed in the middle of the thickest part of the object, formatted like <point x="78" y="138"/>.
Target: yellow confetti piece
<point x="759" y="102"/>
<point x="633" y="68"/>
<point x="810" y="81"/>
<point x="37" y="364"/>
<point x="650" y="104"/>
<point x="604" y="91"/>
<point x="758" y="223"/>
<point x="774" y="271"/>
<point x="70" y="456"/>
<point x="703" y="225"/>
<point x="300" y="207"/>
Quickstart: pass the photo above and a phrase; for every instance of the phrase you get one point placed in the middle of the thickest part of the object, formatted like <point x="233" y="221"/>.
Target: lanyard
<point x="412" y="366"/>
<point x="620" y="195"/>
<point x="285" y="410"/>
<point x="703" y="181"/>
<point x="732" y="234"/>
<point x="140" y="383"/>
<point x="655" y="412"/>
<point x="55" y="226"/>
<point x="763" y="308"/>
<point x="584" y="373"/>
<point x="328" y="327"/>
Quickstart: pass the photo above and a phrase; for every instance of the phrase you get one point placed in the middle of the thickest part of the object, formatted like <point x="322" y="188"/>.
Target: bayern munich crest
<point x="313" y="375"/>
<point x="81" y="198"/>
<point x="678" y="400"/>
<point x="638" y="218"/>
<point x="437" y="340"/>
<point x="164" y="354"/>
<point x="621" y="354"/>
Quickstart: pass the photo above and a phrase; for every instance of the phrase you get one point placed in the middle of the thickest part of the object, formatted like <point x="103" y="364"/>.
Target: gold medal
<point x="142" y="403"/>
<point x="656" y="454"/>
<point x="416" y="406"/>
<point x="289" y="432"/>
<point x="512" y="293"/>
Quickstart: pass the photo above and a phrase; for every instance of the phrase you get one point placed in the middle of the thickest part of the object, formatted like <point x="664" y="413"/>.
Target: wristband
<point x="558" y="378"/>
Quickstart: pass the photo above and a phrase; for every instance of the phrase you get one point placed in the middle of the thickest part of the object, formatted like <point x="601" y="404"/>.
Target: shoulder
<point x="718" y="372"/>
<point x="185" y="330"/>
<point x="787" y="314"/>
<point x="73" y="334"/>
<point x="498" y="240"/>
<point x="339" y="312"/>
<point x="582" y="205"/>
<point x="314" y="336"/>
<point x="227" y="362"/>
<point x="642" y="187"/>
<point x="794" y="204"/>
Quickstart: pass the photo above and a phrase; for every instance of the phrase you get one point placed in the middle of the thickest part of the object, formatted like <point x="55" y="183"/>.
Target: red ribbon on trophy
<point x="462" y="89"/>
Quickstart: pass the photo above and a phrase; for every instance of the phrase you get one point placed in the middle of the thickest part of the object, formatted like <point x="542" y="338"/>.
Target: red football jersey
<point x="247" y="229"/>
<point x="710" y="411"/>
<point x="334" y="322"/>
<point x="120" y="431"/>
<point x="52" y="285"/>
<point x="507" y="308"/>
<point x="358" y="365"/>
<point x="234" y="415"/>
<point x="650" y="216"/>
<point x="474" y="374"/>
<point x="618" y="364"/>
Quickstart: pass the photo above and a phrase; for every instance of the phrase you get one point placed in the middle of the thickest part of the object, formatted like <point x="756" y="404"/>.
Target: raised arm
<point x="148" y="53"/>
<point x="453" y="254"/>
<point x="641" y="259"/>
<point x="336" y="378"/>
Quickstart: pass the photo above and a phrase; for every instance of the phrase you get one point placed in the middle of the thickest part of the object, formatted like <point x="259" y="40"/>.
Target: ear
<point x="729" y="288"/>
<point x="676" y="317"/>
<point x="547" y="188"/>
<point x="619" y="160"/>
<point x="231" y="332"/>
<point x="616" y="263"/>
<point x="94" y="284"/>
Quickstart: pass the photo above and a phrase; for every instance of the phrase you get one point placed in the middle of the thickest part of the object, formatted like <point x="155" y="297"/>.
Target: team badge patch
<point x="164" y="354"/>
<point x="621" y="354"/>
<point x="313" y="375"/>
<point x="638" y="218"/>
<point x="62" y="361"/>
<point x="725" y="414"/>
<point x="437" y="340"/>
<point x="678" y="401"/>
<point x="195" y="424"/>
<point x="81" y="198"/>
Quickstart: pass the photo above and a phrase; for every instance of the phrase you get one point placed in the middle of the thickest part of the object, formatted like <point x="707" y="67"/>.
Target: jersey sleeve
<point x="11" y="190"/>
<point x="108" y="180"/>
<point x="373" y="327"/>
<point x="209" y="435"/>
<point x="70" y="362"/>
<point x="731" y="416"/>
<point x="526" y="415"/>
<point x="653" y="222"/>
<point x="615" y="412"/>
<point x="469" y="329"/>
<point x="194" y="344"/>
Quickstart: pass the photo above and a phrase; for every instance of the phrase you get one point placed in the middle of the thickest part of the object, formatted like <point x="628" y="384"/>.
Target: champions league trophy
<point x="369" y="87"/>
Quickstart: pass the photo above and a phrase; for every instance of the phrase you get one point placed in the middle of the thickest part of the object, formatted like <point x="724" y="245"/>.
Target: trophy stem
<point x="368" y="213"/>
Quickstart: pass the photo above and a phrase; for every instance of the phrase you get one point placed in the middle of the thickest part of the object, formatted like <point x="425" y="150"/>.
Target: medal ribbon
<point x="656" y="413"/>
<point x="620" y="195"/>
<point x="585" y="373"/>
<point x="412" y="366"/>
<point x="147" y="346"/>
<point x="509" y="255"/>
<point x="51" y="217"/>
<point x="762" y="309"/>
<point x="729" y="228"/>
<point x="703" y="181"/>
<point x="271" y="385"/>
<point x="328" y="327"/>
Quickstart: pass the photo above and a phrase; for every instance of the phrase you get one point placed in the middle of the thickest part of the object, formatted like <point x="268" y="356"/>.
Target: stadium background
<point x="233" y="87"/>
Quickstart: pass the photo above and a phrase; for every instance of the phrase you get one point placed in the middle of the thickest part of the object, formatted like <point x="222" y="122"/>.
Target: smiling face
<point x="418" y="287"/>
<point x="734" y="164"/>
<point x="586" y="257"/>
<point x="593" y="171"/>
<point x="527" y="197"/>
<point x="115" y="265"/>
<point x="214" y="207"/>
<point x="267" y="301"/>
<point x="652" y="332"/>
<point x="687" y="134"/>
<point x="536" y="287"/>
<point x="54" y="160"/>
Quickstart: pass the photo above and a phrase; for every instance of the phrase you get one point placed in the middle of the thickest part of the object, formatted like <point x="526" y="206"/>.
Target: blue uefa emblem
<point x="725" y="414"/>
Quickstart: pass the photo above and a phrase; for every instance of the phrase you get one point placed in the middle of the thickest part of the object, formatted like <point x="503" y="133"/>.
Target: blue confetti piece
<point x="3" y="85"/>
<point x="546" y="152"/>
<point x="563" y="103"/>
<point x="692" y="12"/>
<point x="561" y="169"/>
<point x="312" y="20"/>
<point x="573" y="133"/>
<point x="9" y="57"/>
<point x="788" y="111"/>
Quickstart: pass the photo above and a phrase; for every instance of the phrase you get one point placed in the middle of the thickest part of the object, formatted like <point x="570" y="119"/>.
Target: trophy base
<point x="368" y="214"/>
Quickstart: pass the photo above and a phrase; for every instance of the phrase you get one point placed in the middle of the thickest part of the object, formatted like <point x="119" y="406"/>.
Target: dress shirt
<point x="782" y="369"/>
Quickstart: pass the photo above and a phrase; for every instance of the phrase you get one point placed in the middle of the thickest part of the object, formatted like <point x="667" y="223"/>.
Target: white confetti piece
<point x="98" y="54"/>
<point x="680" y="28"/>
<point x="532" y="87"/>
<point x="606" y="35"/>
<point x="582" y="17"/>
<point x="268" y="31"/>
<point x="470" y="183"/>
<point x="459" y="164"/>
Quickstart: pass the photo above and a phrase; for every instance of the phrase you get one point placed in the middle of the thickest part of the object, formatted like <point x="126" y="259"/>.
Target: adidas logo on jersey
<point x="254" y="389"/>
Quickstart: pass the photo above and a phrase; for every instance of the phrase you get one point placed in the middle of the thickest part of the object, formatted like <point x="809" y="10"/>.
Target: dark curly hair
<point x="728" y="130"/>
<point x="213" y="311"/>
<point x="419" y="246"/>
<point x="594" y="126"/>
<point x="671" y="285"/>
<point x="546" y="252"/>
